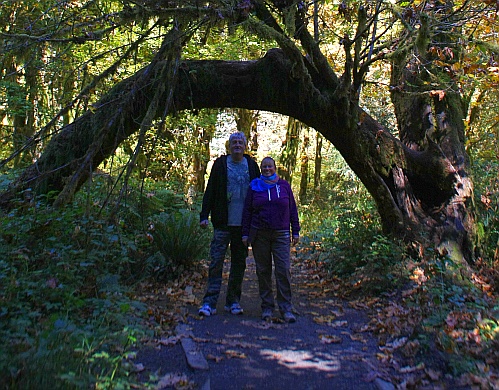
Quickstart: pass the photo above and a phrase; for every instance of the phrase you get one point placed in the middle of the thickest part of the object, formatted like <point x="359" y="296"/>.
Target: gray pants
<point x="219" y="244"/>
<point x="273" y="245"/>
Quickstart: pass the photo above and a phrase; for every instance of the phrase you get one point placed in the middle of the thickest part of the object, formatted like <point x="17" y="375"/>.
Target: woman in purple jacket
<point x="269" y="211"/>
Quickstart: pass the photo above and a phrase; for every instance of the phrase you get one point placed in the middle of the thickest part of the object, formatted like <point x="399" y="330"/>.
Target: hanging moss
<point x="288" y="14"/>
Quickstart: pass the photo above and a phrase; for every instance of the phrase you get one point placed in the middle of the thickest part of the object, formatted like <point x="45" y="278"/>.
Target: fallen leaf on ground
<point x="169" y="340"/>
<point x="355" y="337"/>
<point x="330" y="339"/>
<point x="263" y="324"/>
<point x="216" y="359"/>
<point x="235" y="354"/>
<point x="324" y="319"/>
<point x="237" y="335"/>
<point x="433" y="374"/>
<point x="264" y="337"/>
<point x="174" y="380"/>
<point x="405" y="370"/>
<point x="235" y="343"/>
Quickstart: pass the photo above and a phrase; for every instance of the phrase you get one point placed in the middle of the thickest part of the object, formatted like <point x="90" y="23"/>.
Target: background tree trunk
<point x="247" y="122"/>
<point x="317" y="166"/>
<point x="287" y="160"/>
<point x="201" y="156"/>
<point x="302" y="194"/>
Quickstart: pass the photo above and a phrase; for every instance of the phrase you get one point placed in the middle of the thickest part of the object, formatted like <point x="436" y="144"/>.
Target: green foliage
<point x="487" y="202"/>
<point x="67" y="314"/>
<point x="345" y="226"/>
<point x="13" y="98"/>
<point x="355" y="250"/>
<point x="458" y="315"/>
<point x="180" y="241"/>
<point x="168" y="157"/>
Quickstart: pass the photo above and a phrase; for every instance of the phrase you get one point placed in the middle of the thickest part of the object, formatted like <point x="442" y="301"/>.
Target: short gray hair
<point x="238" y="135"/>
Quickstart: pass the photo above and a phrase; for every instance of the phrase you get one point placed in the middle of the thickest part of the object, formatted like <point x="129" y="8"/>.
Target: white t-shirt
<point x="238" y="180"/>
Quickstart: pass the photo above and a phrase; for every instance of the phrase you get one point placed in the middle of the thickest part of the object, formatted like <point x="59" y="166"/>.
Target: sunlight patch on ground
<point x="303" y="359"/>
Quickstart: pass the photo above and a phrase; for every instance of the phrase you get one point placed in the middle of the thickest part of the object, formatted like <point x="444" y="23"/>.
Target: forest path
<point x="327" y="348"/>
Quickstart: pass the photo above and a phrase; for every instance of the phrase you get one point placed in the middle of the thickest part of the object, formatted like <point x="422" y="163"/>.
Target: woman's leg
<point x="263" y="260"/>
<point x="281" y="252"/>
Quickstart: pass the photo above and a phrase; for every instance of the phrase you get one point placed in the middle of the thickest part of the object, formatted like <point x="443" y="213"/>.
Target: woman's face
<point x="267" y="167"/>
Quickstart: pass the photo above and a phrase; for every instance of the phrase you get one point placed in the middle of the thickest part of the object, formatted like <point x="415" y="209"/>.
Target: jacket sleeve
<point x="247" y="213"/>
<point x="209" y="193"/>
<point x="293" y="214"/>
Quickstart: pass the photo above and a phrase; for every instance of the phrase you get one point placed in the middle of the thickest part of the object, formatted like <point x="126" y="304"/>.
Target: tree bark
<point x="302" y="194"/>
<point x="274" y="83"/>
<point x="247" y="122"/>
<point x="317" y="166"/>
<point x="289" y="154"/>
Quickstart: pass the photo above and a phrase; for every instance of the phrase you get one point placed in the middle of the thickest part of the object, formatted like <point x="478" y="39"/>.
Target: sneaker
<point x="289" y="317"/>
<point x="267" y="314"/>
<point x="235" y="308"/>
<point x="207" y="311"/>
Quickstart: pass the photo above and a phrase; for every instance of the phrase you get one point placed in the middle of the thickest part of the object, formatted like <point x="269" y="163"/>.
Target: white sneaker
<point x="207" y="311"/>
<point x="267" y="314"/>
<point x="235" y="308"/>
<point x="289" y="317"/>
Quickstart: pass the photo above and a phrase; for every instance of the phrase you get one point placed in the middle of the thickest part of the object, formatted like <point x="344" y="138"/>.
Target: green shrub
<point x="180" y="241"/>
<point x="487" y="207"/>
<point x="67" y="314"/>
<point x="353" y="248"/>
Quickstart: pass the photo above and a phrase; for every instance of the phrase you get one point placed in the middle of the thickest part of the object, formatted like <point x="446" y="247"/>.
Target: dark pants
<point x="273" y="245"/>
<point x="239" y="253"/>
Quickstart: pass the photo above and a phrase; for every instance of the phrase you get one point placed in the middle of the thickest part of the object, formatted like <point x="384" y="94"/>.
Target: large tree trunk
<point x="430" y="118"/>
<point x="247" y="122"/>
<point x="302" y="194"/>
<point x="289" y="153"/>
<point x="317" y="166"/>
<point x="385" y="165"/>
<point x="200" y="158"/>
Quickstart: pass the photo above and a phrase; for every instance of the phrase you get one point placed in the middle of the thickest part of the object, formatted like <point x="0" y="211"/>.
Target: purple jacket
<point x="273" y="209"/>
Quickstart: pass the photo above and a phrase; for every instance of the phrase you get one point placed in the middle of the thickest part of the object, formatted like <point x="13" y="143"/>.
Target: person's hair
<point x="269" y="158"/>
<point x="238" y="135"/>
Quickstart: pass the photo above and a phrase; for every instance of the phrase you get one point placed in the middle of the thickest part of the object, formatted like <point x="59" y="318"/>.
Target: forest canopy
<point x="399" y="89"/>
<point x="383" y="115"/>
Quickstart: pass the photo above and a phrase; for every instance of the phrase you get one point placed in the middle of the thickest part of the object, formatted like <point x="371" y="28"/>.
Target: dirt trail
<point x="327" y="348"/>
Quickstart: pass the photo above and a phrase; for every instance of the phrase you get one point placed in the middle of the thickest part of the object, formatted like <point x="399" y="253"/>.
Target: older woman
<point x="269" y="211"/>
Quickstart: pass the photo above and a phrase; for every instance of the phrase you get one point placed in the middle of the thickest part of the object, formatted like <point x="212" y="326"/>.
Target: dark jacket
<point x="274" y="209"/>
<point x="215" y="195"/>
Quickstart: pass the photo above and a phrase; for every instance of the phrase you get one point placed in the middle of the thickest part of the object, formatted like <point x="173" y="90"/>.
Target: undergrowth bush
<point x="351" y="244"/>
<point x="180" y="241"/>
<point x="457" y="314"/>
<point x="67" y="314"/>
<point x="487" y="206"/>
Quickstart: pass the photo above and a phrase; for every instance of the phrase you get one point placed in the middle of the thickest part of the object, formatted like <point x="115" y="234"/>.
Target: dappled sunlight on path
<point x="328" y="346"/>
<point x="296" y="360"/>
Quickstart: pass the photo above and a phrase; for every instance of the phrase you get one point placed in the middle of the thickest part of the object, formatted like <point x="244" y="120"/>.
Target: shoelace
<point x="278" y="190"/>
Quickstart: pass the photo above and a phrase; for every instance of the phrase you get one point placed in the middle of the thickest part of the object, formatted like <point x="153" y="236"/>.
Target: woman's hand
<point x="295" y="240"/>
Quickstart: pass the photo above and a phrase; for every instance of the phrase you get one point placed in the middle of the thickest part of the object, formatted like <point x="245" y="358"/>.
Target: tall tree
<point x="247" y="122"/>
<point x="419" y="181"/>
<point x="289" y="154"/>
<point x="317" y="165"/>
<point x="302" y="193"/>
